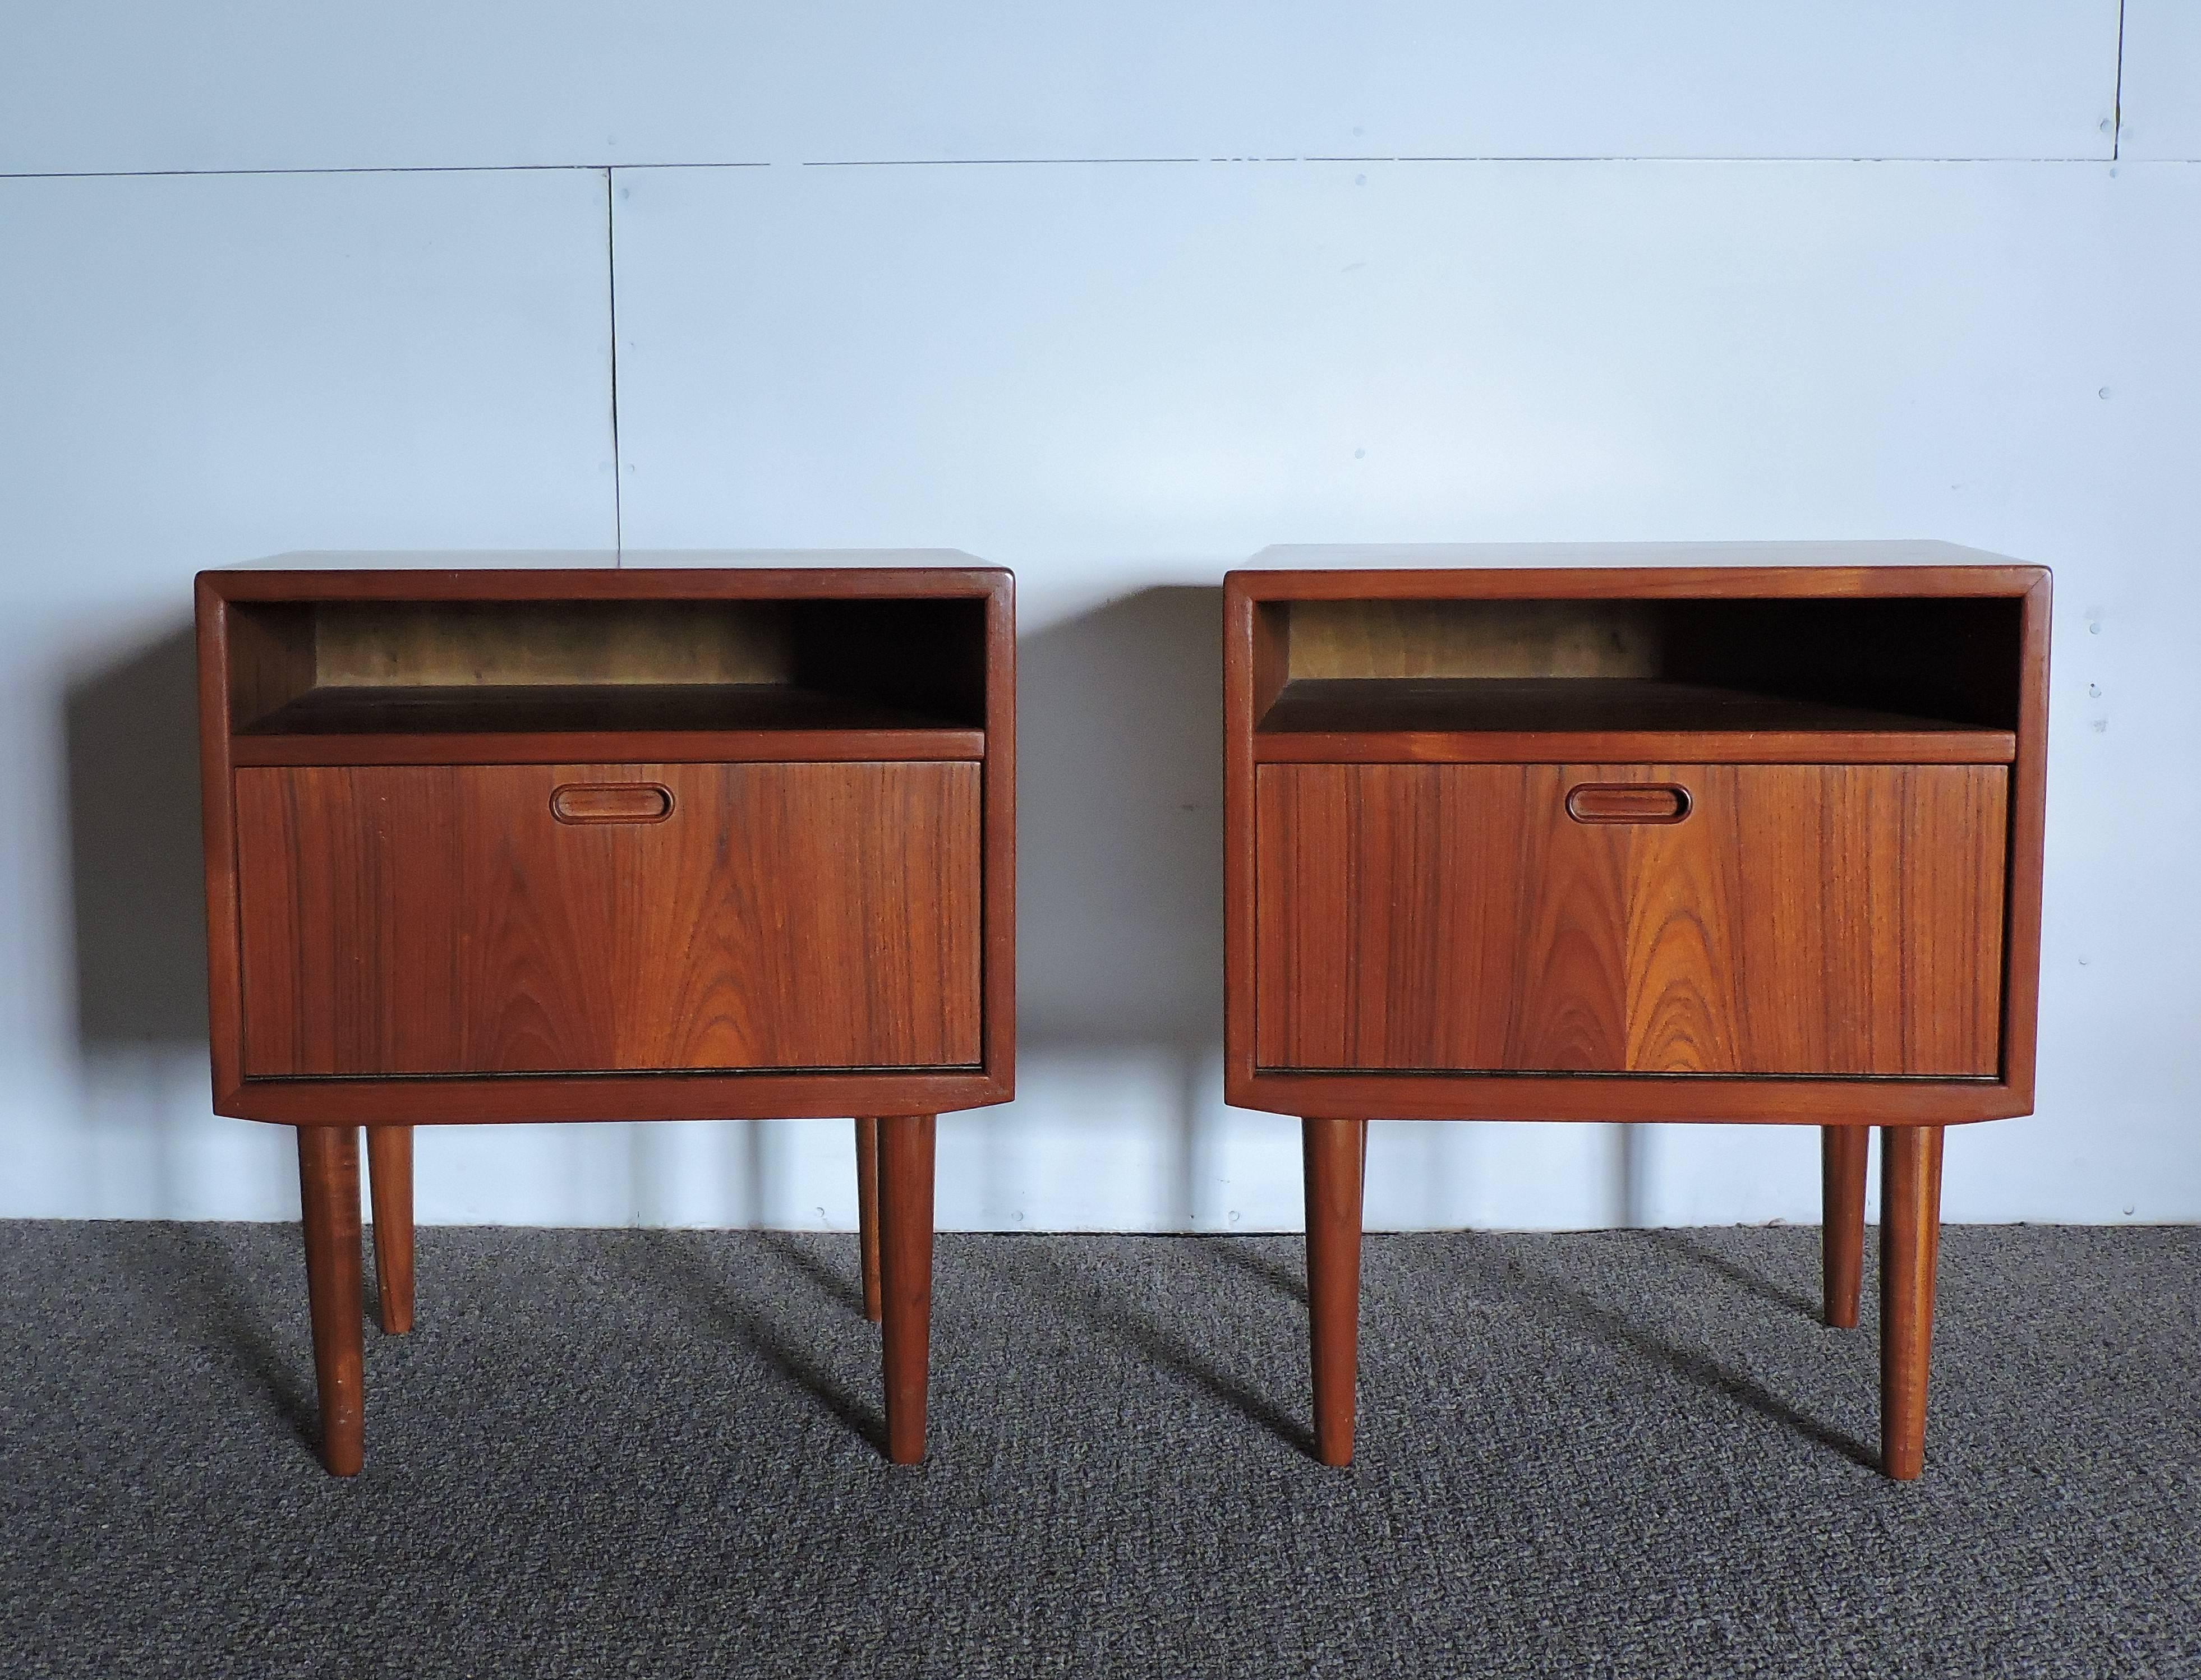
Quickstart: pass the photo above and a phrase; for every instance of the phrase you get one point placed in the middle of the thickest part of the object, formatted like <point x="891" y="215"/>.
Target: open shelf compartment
<point x="370" y="681"/>
<point x="1885" y="679"/>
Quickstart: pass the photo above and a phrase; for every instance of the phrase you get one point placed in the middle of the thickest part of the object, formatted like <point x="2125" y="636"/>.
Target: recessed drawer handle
<point x="1627" y="802"/>
<point x="612" y="802"/>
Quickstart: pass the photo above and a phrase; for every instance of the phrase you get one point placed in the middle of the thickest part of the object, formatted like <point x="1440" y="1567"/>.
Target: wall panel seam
<point x="1062" y="163"/>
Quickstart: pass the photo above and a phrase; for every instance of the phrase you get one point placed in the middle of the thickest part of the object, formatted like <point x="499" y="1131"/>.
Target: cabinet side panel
<point x="270" y="658"/>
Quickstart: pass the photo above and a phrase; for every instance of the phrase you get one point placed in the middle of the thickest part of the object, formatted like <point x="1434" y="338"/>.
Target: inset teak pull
<point x="602" y="802"/>
<point x="1627" y="802"/>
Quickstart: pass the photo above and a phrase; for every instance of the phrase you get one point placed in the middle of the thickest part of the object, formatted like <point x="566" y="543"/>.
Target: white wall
<point x="287" y="279"/>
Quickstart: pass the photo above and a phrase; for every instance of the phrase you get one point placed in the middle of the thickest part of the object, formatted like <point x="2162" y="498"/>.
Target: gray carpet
<point x="635" y="1453"/>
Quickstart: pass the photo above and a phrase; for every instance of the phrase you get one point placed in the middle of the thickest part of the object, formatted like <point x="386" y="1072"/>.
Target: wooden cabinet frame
<point x="1939" y="659"/>
<point x="634" y="682"/>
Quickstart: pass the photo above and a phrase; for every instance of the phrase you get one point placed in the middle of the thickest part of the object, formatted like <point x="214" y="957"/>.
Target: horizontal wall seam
<point x="353" y="169"/>
<point x="1027" y="163"/>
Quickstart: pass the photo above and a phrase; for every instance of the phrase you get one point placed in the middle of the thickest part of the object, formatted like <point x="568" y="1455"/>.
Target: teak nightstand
<point x="546" y="845"/>
<point x="1686" y="842"/>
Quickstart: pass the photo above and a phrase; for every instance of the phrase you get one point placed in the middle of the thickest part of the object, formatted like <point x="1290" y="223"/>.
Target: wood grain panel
<point x="1833" y="920"/>
<point x="447" y="643"/>
<point x="1464" y="638"/>
<point x="270" y="655"/>
<point x="1569" y="1008"/>
<point x="440" y="920"/>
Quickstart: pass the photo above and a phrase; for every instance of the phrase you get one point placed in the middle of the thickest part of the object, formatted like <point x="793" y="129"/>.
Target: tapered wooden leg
<point x="390" y="1181"/>
<point x="328" y="1188"/>
<point x="867" y="1211"/>
<point x="1841" y="1216"/>
<point x="906" y="1276"/>
<point x="1334" y="1150"/>
<point x="1910" y="1238"/>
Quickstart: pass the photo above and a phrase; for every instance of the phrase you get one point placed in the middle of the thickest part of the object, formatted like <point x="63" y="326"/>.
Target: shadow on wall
<point x="138" y="887"/>
<point x="1119" y="827"/>
<point x="1119" y="824"/>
